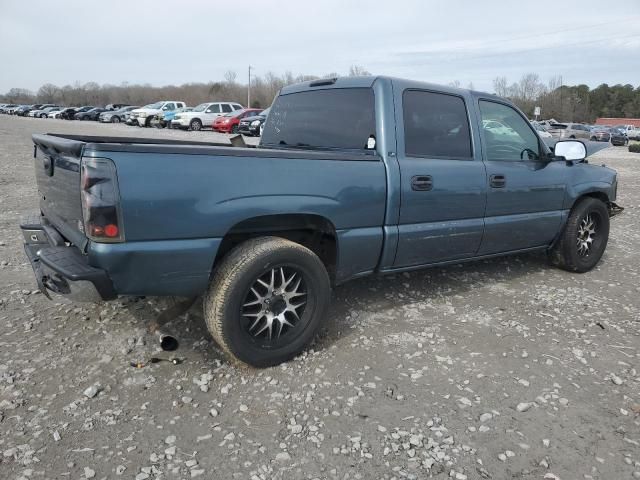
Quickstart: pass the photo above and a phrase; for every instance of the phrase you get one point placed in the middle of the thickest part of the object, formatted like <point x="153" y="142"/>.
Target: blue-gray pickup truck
<point x="352" y="176"/>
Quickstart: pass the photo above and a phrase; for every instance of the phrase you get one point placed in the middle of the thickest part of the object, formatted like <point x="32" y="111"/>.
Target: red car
<point x="229" y="123"/>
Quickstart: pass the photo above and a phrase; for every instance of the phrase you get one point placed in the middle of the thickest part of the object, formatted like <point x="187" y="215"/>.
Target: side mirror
<point x="571" y="150"/>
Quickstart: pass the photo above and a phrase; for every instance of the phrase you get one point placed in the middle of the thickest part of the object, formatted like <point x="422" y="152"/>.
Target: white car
<point x="203" y="115"/>
<point x="541" y="131"/>
<point x="55" y="113"/>
<point x="498" y="128"/>
<point x="142" y="116"/>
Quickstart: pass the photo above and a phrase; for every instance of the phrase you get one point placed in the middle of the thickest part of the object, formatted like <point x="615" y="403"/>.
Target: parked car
<point x="609" y="134"/>
<point x="36" y="113"/>
<point x="67" y="113"/>
<point x="115" y="116"/>
<point x="541" y="130"/>
<point x="12" y="110"/>
<point x="252" y="126"/>
<point x="230" y="122"/>
<point x="569" y="130"/>
<point x="6" y="107"/>
<point x="91" y="114"/>
<point x="163" y="120"/>
<point x="43" y="113"/>
<point x="203" y="114"/>
<point x="55" y="113"/>
<point x="340" y="187"/>
<point x="143" y="115"/>
<point x="25" y="109"/>
<point x="116" y="106"/>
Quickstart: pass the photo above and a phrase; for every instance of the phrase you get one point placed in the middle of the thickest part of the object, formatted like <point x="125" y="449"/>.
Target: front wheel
<point x="195" y="125"/>
<point x="585" y="236"/>
<point x="115" y="119"/>
<point x="266" y="301"/>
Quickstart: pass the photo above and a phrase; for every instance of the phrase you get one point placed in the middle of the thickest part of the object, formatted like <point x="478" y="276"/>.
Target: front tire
<point x="584" y="238"/>
<point x="267" y="300"/>
<point x="195" y="125"/>
<point x="115" y="119"/>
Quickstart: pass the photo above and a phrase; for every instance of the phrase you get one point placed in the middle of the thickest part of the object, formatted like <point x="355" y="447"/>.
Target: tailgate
<point x="57" y="167"/>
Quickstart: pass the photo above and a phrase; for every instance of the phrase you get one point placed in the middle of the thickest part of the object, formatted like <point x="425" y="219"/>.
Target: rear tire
<point x="584" y="238"/>
<point x="266" y="301"/>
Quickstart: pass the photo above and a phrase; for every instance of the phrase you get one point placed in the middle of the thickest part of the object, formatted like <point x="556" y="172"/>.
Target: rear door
<point x="525" y="190"/>
<point x="443" y="181"/>
<point x="211" y="113"/>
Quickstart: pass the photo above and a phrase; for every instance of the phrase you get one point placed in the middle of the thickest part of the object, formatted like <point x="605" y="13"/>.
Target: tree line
<point x="577" y="103"/>
<point x="263" y="90"/>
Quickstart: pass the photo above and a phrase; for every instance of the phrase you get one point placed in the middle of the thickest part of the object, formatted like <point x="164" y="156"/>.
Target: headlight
<point x="255" y="123"/>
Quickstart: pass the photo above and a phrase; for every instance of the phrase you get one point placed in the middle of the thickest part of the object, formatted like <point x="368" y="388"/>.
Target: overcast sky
<point x="172" y="42"/>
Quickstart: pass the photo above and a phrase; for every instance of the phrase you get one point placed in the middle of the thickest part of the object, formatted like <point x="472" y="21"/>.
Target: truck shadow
<point x="379" y="295"/>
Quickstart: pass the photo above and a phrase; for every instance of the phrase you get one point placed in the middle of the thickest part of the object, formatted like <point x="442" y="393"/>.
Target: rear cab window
<point x="334" y="118"/>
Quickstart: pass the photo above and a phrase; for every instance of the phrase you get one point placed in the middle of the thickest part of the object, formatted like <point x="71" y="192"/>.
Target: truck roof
<point x="369" y="80"/>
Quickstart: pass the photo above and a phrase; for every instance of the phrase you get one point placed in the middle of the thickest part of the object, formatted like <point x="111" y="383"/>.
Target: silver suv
<point x="569" y="130"/>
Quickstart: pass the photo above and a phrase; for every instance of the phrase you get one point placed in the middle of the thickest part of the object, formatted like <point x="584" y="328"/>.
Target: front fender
<point x="598" y="188"/>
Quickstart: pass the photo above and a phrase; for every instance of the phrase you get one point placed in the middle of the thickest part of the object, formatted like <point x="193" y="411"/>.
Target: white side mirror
<point x="571" y="150"/>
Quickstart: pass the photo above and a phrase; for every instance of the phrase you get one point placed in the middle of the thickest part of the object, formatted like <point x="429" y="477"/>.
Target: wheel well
<point x="599" y="195"/>
<point x="313" y="231"/>
<point x="194" y="119"/>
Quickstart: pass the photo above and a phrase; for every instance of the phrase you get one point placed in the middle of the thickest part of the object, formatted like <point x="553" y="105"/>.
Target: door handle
<point x="497" y="181"/>
<point x="421" y="183"/>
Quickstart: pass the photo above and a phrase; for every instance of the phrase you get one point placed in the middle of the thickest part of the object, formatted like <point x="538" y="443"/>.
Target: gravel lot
<point x="499" y="369"/>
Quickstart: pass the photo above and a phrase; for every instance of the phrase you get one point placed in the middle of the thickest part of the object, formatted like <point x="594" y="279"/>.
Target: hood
<point x="253" y="118"/>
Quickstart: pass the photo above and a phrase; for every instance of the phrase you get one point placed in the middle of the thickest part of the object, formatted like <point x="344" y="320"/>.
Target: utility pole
<point x="249" y="89"/>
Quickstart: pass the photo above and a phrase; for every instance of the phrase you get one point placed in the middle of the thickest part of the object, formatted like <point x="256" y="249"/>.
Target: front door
<point x="443" y="189"/>
<point x="525" y="190"/>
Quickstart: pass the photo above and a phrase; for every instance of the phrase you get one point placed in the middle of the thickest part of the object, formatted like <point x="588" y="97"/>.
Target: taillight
<point x="100" y="200"/>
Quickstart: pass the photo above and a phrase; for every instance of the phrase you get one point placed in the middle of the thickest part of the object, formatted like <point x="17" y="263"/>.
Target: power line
<point x="536" y="49"/>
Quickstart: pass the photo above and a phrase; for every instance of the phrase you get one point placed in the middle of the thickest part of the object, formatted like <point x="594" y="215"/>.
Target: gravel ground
<point x="498" y="369"/>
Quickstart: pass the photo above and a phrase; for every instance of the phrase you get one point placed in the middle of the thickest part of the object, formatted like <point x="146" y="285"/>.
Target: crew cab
<point x="143" y="116"/>
<point x="353" y="176"/>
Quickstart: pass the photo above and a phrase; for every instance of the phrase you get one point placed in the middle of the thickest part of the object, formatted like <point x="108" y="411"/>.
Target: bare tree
<point x="358" y="71"/>
<point x="230" y="76"/>
<point x="500" y="87"/>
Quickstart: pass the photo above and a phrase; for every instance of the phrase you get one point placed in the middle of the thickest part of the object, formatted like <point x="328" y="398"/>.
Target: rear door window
<point x="341" y="118"/>
<point x="435" y="125"/>
<point x="226" y="108"/>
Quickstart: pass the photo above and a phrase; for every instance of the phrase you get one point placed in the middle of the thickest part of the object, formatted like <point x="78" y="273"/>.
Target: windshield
<point x="155" y="106"/>
<point x="201" y="107"/>
<point x="331" y="118"/>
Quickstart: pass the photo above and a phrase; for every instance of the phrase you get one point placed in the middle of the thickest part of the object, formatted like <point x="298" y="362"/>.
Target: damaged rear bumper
<point x="60" y="267"/>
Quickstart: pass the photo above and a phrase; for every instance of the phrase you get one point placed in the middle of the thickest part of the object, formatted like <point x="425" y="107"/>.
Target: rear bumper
<point x="63" y="269"/>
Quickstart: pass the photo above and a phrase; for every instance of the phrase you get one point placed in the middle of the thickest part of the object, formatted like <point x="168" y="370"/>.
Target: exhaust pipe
<point x="169" y="342"/>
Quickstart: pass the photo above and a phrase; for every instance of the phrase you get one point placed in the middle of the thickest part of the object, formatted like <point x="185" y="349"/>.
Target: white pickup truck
<point x="142" y="116"/>
<point x="633" y="132"/>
